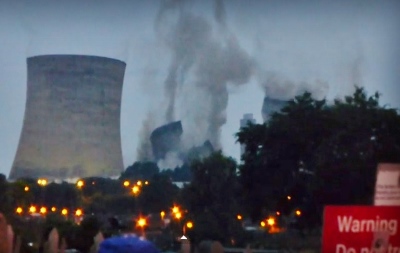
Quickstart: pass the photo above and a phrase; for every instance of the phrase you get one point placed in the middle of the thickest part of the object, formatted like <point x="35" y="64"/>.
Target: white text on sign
<point x="349" y="225"/>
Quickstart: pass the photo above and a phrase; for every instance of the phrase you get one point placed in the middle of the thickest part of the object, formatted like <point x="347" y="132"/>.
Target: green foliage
<point x="315" y="152"/>
<point x="276" y="150"/>
<point x="140" y="171"/>
<point x="180" y="174"/>
<point x="101" y="186"/>
<point x="19" y="196"/>
<point x="111" y="204"/>
<point x="158" y="195"/>
<point x="67" y="195"/>
<point x="4" y="197"/>
<point x="212" y="199"/>
<point x="365" y="135"/>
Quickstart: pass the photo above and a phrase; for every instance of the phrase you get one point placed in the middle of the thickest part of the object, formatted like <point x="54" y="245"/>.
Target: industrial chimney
<point x="71" y="126"/>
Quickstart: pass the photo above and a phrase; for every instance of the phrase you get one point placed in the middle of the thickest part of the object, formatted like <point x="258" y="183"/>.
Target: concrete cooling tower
<point x="71" y="126"/>
<point x="271" y="105"/>
<point x="165" y="139"/>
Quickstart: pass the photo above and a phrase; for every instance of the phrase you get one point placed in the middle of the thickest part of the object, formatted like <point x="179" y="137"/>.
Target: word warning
<point x="361" y="229"/>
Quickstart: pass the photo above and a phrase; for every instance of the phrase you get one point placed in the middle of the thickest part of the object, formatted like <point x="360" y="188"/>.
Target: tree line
<point x="309" y="154"/>
<point x="318" y="153"/>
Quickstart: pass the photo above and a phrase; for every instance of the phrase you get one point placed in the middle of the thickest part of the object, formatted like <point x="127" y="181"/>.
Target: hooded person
<point x="128" y="243"/>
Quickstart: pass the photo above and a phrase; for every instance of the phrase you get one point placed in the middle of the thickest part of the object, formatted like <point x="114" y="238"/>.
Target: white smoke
<point x="204" y="61"/>
<point x="171" y="161"/>
<point x="277" y="86"/>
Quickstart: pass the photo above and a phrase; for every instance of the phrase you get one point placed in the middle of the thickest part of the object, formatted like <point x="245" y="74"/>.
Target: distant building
<point x="245" y="121"/>
<point x="271" y="105"/>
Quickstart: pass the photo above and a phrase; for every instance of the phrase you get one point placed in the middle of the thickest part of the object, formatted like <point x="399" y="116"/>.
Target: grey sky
<point x="325" y="46"/>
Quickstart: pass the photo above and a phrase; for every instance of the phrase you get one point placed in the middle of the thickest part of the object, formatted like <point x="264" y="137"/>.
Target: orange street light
<point x="146" y="182"/>
<point x="80" y="184"/>
<point x="175" y="209"/>
<point x="178" y="215"/>
<point x="19" y="210"/>
<point x="78" y="212"/>
<point x="162" y="214"/>
<point x="42" y="182"/>
<point x="239" y="217"/>
<point x="139" y="183"/>
<point x="271" y="221"/>
<point x="289" y="197"/>
<point x="26" y="188"/>
<point x="141" y="222"/>
<point x="189" y="224"/>
<point x="298" y="212"/>
<point x="53" y="209"/>
<point x="64" y="211"/>
<point x="135" y="190"/>
<point x="126" y="183"/>
<point x="32" y="209"/>
<point x="262" y="223"/>
<point x="43" y="210"/>
<point x="278" y="213"/>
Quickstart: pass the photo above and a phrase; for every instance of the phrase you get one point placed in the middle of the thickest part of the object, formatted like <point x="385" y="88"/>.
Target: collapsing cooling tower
<point x="199" y="152"/>
<point x="71" y="125"/>
<point x="271" y="105"/>
<point x="166" y="139"/>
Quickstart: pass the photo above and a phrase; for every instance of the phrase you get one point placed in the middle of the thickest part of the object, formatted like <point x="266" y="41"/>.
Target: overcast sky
<point x="224" y="57"/>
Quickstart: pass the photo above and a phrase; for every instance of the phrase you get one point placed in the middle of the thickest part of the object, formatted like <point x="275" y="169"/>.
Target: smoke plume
<point x="171" y="161"/>
<point x="356" y="72"/>
<point x="144" y="151"/>
<point x="206" y="58"/>
<point x="277" y="86"/>
<point x="219" y="12"/>
<point x="203" y="60"/>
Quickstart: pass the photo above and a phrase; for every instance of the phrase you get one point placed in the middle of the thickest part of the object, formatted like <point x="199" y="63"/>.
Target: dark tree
<point x="180" y="174"/>
<point x="212" y="199"/>
<point x="317" y="154"/>
<point x="4" y="197"/>
<point x="140" y="171"/>
<point x="158" y="195"/>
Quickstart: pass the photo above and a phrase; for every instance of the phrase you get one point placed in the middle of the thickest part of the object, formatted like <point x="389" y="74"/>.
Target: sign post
<point x="361" y="229"/>
<point x="387" y="186"/>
